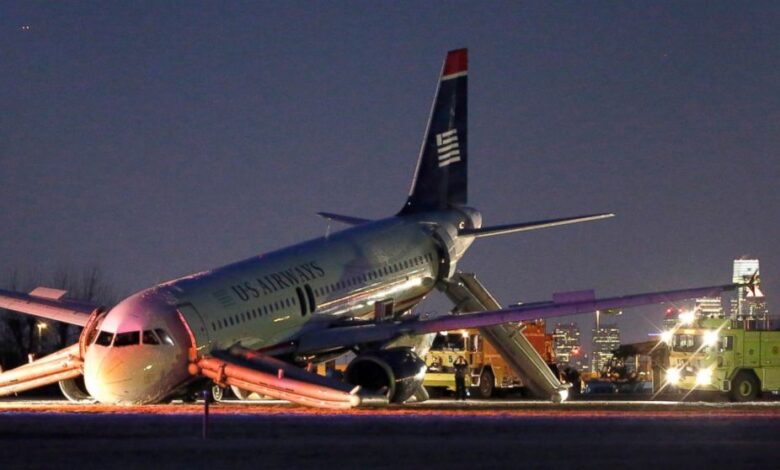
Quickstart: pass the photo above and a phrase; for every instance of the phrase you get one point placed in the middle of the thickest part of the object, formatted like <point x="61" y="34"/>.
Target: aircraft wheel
<point x="744" y="387"/>
<point x="217" y="393"/>
<point x="486" y="384"/>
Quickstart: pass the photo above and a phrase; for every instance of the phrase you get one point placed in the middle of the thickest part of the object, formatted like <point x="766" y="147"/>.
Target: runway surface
<point x="435" y="434"/>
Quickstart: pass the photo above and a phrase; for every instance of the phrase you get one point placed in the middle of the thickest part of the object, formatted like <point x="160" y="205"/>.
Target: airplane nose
<point x="130" y="376"/>
<point x="108" y="376"/>
<point x="139" y="353"/>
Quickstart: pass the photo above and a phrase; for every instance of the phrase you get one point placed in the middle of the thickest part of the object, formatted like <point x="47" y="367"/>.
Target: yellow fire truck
<point x="722" y="355"/>
<point x="487" y="369"/>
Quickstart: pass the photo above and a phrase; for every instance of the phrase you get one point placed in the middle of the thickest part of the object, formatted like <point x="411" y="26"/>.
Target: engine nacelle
<point x="395" y="372"/>
<point x="451" y="245"/>
<point x="74" y="390"/>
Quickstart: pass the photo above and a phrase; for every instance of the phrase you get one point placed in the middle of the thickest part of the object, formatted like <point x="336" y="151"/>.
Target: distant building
<point x="606" y="338"/>
<point x="748" y="304"/>
<point x="567" y="344"/>
<point x="708" y="307"/>
<point x="670" y="318"/>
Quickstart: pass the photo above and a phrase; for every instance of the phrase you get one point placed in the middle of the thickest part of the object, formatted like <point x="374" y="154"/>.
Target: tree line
<point x="23" y="335"/>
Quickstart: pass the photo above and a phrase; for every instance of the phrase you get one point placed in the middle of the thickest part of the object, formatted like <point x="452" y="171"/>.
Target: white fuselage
<point x="270" y="300"/>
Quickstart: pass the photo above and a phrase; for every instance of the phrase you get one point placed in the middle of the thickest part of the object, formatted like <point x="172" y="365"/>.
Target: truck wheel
<point x="486" y="384"/>
<point x="744" y="387"/>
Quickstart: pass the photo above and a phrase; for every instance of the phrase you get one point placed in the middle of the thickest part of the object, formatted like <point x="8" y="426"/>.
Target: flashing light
<point x="666" y="336"/>
<point x="711" y="338"/>
<point x="673" y="376"/>
<point x="704" y="377"/>
<point x="686" y="318"/>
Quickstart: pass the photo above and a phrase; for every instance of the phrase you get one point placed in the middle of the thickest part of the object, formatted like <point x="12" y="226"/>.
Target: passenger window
<point x="104" y="338"/>
<point x="131" y="338"/>
<point x="150" y="338"/>
<point x="164" y="336"/>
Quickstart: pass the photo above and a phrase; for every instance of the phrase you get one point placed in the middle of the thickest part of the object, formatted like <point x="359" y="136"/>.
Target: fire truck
<point x="488" y="372"/>
<point x="726" y="356"/>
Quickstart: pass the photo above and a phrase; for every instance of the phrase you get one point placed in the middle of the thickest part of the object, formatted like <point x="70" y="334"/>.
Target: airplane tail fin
<point x="440" y="181"/>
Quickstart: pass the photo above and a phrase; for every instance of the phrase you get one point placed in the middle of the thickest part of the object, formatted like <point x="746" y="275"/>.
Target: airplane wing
<point x="561" y="305"/>
<point x="256" y="372"/>
<point x="48" y="303"/>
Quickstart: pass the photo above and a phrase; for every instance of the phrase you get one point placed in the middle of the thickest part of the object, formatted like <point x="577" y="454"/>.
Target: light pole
<point x="41" y="326"/>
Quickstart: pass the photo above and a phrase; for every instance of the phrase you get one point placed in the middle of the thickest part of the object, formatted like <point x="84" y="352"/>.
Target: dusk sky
<point x="155" y="139"/>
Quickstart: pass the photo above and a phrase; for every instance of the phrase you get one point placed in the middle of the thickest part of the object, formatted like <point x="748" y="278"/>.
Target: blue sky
<point x="156" y="139"/>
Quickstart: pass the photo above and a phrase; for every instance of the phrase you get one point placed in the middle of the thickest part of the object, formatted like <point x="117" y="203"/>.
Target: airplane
<point x="256" y="324"/>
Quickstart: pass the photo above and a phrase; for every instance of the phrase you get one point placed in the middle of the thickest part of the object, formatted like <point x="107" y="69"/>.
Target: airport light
<point x="41" y="326"/>
<point x="673" y="376"/>
<point x="704" y="376"/>
<point x="686" y="317"/>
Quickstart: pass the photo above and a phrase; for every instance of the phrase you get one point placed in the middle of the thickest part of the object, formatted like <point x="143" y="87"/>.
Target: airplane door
<point x="195" y="321"/>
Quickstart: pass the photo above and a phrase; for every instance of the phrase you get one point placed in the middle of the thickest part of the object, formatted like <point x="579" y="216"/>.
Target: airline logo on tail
<point x="447" y="147"/>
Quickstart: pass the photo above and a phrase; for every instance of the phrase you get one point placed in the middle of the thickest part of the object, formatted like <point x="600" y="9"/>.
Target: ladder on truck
<point x="469" y="295"/>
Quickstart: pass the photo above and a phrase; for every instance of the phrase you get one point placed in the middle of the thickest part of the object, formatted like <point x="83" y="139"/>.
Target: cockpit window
<point x="164" y="336"/>
<point x="150" y="338"/>
<point x="104" y="338"/>
<point x="131" y="338"/>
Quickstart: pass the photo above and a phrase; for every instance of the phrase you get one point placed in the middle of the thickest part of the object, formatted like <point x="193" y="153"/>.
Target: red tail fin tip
<point x="457" y="62"/>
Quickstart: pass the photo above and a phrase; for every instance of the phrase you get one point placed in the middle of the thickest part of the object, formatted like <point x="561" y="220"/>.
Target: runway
<point x="434" y="434"/>
<point x="435" y="407"/>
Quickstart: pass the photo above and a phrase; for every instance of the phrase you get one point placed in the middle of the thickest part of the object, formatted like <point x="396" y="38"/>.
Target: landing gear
<point x="217" y="393"/>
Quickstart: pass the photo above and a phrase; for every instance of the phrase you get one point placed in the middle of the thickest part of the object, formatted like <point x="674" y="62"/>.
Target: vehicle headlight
<point x="673" y="376"/>
<point x="704" y="377"/>
<point x="666" y="337"/>
<point x="711" y="338"/>
<point x="687" y="317"/>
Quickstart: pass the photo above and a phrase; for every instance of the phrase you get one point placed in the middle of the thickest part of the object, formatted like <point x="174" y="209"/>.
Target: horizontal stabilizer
<point x="527" y="226"/>
<point x="344" y="219"/>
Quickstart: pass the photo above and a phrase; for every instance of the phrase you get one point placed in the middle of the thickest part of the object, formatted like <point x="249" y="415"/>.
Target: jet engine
<point x="395" y="372"/>
<point x="75" y="390"/>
